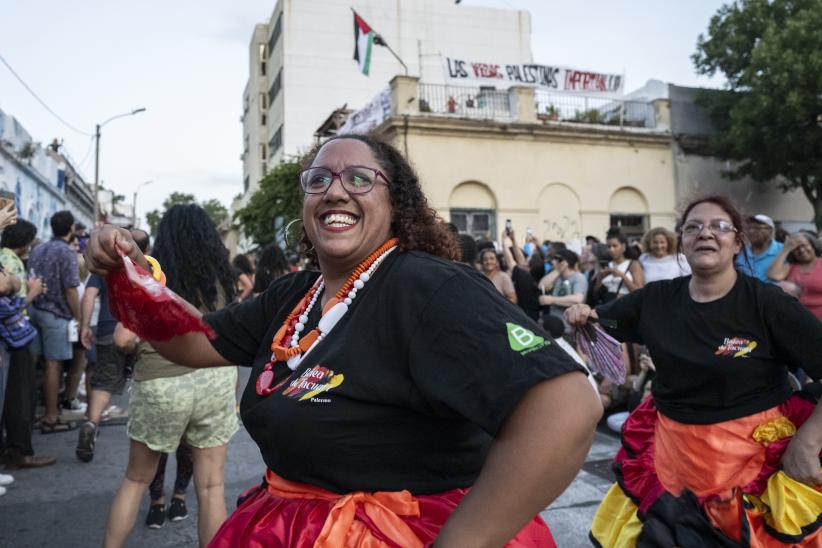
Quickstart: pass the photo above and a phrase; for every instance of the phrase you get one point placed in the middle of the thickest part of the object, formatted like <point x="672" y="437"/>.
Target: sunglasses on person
<point x="354" y="179"/>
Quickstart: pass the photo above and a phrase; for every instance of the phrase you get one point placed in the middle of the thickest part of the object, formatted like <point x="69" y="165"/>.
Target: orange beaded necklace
<point x="333" y="311"/>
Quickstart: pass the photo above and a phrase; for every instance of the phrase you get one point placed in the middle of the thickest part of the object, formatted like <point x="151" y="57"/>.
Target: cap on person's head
<point x="763" y="220"/>
<point x="568" y="256"/>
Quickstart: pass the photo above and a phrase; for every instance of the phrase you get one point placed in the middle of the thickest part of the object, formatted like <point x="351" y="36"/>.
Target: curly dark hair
<point x="18" y="235"/>
<point x="193" y="257"/>
<point x="413" y="221"/>
<point x="271" y="265"/>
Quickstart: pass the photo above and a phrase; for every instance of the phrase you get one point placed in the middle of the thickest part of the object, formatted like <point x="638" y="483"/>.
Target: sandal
<point x="56" y="426"/>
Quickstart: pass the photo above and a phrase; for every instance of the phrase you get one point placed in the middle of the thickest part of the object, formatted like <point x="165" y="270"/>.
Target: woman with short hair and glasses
<point x="394" y="393"/>
<point x="799" y="268"/>
<point x="724" y="453"/>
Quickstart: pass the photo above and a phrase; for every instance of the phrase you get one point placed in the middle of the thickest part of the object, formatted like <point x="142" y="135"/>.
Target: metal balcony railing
<point x="559" y="107"/>
<point x="465" y="102"/>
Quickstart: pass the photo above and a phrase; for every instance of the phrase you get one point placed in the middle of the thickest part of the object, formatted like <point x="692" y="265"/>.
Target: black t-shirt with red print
<point x="406" y="391"/>
<point x="724" y="359"/>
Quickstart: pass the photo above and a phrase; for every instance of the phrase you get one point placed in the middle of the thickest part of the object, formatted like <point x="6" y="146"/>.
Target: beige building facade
<point x="562" y="180"/>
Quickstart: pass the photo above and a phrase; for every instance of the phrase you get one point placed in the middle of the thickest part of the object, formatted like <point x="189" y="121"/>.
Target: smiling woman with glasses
<point x="393" y="392"/>
<point x="723" y="445"/>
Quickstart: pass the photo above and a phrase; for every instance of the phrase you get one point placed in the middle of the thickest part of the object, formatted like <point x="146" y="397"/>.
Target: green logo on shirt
<point x="523" y="340"/>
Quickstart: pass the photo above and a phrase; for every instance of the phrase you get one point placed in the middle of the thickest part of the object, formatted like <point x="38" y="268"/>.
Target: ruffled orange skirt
<point x="709" y="485"/>
<point x="287" y="514"/>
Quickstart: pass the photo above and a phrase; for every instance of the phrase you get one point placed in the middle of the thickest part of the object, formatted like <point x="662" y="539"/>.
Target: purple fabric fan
<point x="603" y="351"/>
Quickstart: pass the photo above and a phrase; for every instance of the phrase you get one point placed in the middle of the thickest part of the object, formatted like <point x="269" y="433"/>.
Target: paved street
<point x="66" y="505"/>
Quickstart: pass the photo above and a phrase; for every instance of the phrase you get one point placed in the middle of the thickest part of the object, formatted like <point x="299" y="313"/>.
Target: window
<point x="276" y="141"/>
<point x="275" y="34"/>
<point x="263" y="151"/>
<point x="264" y="168"/>
<point x="263" y="102"/>
<point x="632" y="226"/>
<point x="275" y="87"/>
<point x="478" y="223"/>
<point x="263" y="58"/>
<point x="245" y="184"/>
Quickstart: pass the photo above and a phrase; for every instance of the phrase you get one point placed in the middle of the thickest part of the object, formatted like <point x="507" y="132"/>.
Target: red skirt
<point x="292" y="515"/>
<point x="717" y="485"/>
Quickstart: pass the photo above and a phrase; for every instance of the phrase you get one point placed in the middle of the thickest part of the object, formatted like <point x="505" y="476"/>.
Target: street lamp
<point x="134" y="203"/>
<point x="97" y="159"/>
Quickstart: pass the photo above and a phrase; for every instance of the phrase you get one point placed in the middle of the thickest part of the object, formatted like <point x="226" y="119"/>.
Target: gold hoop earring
<point x="287" y="228"/>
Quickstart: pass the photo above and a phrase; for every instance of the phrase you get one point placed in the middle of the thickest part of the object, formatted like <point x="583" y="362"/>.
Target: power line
<point x="19" y="79"/>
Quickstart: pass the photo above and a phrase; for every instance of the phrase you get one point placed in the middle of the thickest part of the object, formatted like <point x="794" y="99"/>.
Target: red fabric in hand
<point x="144" y="306"/>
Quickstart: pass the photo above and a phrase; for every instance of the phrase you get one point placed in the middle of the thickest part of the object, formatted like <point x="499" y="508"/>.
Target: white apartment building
<point x="301" y="64"/>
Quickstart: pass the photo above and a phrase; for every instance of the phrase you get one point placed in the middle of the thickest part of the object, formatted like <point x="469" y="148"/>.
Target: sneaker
<point x="177" y="510"/>
<point x="86" y="441"/>
<point x="74" y="405"/>
<point x="156" y="516"/>
<point x="6" y="479"/>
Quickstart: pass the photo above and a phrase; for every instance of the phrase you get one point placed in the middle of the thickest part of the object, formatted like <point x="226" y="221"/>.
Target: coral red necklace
<point x="288" y="346"/>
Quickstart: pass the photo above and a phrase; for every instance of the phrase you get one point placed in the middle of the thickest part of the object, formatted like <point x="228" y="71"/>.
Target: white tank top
<point x="613" y="282"/>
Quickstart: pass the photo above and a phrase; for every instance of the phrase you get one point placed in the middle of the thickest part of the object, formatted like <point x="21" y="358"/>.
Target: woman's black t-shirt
<point x="723" y="359"/>
<point x="408" y="389"/>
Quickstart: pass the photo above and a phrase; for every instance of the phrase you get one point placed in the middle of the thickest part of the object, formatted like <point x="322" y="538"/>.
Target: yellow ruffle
<point x="787" y="505"/>
<point x="775" y="430"/>
<point x="616" y="524"/>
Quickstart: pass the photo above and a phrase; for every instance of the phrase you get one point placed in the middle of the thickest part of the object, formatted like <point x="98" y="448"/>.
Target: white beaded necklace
<point x="334" y="314"/>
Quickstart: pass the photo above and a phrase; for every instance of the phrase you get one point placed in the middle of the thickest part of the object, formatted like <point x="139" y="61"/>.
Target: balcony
<point x="480" y="103"/>
<point x="580" y="109"/>
<point x="528" y="105"/>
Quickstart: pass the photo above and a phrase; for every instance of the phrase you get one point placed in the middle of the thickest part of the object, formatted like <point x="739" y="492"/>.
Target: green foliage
<point x="213" y="207"/>
<point x="279" y="195"/>
<point x="590" y="116"/>
<point x="770" y="118"/>
<point x="178" y="198"/>
<point x="217" y="211"/>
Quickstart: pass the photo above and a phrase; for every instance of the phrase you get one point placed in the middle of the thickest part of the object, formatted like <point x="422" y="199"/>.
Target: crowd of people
<point x="404" y="380"/>
<point x="64" y="356"/>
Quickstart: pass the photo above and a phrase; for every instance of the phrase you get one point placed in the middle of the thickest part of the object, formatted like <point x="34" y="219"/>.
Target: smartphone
<point x="6" y="198"/>
<point x="508" y="225"/>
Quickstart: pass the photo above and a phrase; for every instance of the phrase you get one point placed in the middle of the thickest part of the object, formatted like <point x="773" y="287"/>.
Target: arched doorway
<point x="472" y="208"/>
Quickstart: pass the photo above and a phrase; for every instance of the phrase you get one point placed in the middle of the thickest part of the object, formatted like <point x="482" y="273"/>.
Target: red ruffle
<point x="634" y="463"/>
<point x="267" y="521"/>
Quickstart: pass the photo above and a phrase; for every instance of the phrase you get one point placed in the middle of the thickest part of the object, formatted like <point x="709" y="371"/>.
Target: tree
<point x="215" y="210"/>
<point x="769" y="120"/>
<point x="213" y="207"/>
<point x="279" y="195"/>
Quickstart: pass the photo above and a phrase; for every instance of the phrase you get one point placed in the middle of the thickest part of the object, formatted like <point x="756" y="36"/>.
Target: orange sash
<point x="340" y="528"/>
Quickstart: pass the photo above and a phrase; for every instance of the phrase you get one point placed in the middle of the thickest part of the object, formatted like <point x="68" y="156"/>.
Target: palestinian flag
<point x="364" y="40"/>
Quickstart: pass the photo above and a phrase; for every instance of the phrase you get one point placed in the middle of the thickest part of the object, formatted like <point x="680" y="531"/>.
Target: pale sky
<point x="186" y="62"/>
